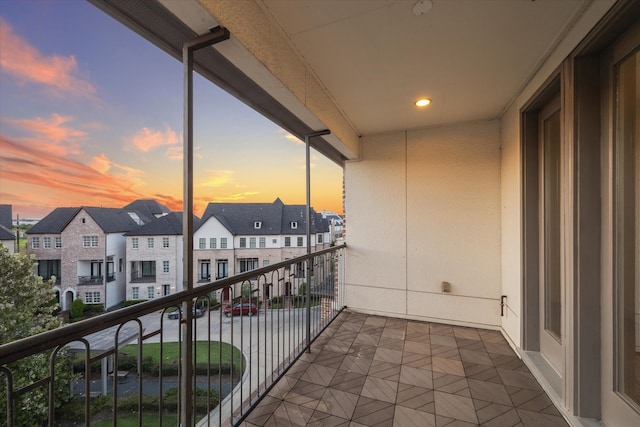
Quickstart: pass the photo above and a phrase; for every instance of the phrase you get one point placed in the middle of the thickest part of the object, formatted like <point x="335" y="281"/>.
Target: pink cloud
<point x="26" y="64"/>
<point x="147" y="139"/>
<point x="58" y="180"/>
<point x="51" y="134"/>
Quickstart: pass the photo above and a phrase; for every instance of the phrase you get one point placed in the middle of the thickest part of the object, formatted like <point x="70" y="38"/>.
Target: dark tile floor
<point x="380" y="371"/>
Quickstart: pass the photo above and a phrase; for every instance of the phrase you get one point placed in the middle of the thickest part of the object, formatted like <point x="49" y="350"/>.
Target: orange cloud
<point x="26" y="64"/>
<point x="52" y="134"/>
<point x="147" y="139"/>
<point x="218" y="179"/>
<point x="58" y="180"/>
<point x="235" y="197"/>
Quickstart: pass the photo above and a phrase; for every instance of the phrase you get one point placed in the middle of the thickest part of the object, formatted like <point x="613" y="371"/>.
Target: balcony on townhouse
<point x="490" y="273"/>
<point x="143" y="272"/>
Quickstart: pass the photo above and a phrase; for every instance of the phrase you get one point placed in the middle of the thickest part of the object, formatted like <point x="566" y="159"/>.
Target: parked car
<point x="197" y="312"/>
<point x="240" y="309"/>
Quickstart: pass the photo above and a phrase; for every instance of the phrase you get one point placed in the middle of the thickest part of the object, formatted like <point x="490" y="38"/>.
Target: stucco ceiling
<point x="471" y="57"/>
<point x="373" y="58"/>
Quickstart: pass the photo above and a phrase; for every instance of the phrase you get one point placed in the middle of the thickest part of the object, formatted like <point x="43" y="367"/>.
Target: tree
<point x="27" y="306"/>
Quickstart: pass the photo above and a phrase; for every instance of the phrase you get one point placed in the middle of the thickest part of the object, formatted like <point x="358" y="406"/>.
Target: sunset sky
<point x="91" y="115"/>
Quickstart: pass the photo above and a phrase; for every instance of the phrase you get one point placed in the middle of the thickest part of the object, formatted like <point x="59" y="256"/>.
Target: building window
<point x="294" y="224"/>
<point x="58" y="242"/>
<point x="165" y="242"/>
<point x="92" y="298"/>
<point x="166" y="289"/>
<point x="134" y="242"/>
<point x="135" y="293"/>
<point x="222" y="266"/>
<point x="287" y="241"/>
<point x="35" y="243"/>
<point x="213" y="243"/>
<point x="319" y="239"/>
<point x="46" y="241"/>
<point x="202" y="243"/>
<point x="150" y="292"/>
<point x="48" y="268"/>
<point x="252" y="242"/>
<point x="223" y="243"/>
<point x="300" y="241"/>
<point x="205" y="269"/>
<point x="90" y="241"/>
<point x="243" y="242"/>
<point x="274" y="241"/>
<point x="248" y="264"/>
<point x="165" y="266"/>
<point x="120" y="265"/>
<point x="265" y="263"/>
<point x="150" y="243"/>
<point x="257" y="225"/>
<point x="83" y="220"/>
<point x="263" y="242"/>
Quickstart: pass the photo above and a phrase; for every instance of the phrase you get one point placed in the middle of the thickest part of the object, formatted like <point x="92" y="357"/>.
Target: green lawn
<point x="171" y="352"/>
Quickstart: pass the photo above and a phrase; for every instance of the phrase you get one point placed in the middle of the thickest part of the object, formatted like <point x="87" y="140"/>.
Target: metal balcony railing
<point x="219" y="363"/>
<point x="90" y="280"/>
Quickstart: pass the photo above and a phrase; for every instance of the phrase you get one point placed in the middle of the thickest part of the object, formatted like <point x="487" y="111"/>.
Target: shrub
<point x="129" y="302"/>
<point x="93" y="308"/>
<point x="77" y="308"/>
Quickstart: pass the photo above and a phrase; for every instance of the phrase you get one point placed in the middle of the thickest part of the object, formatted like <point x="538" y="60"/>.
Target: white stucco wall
<point x="511" y="210"/>
<point x="116" y="290"/>
<point x="433" y="198"/>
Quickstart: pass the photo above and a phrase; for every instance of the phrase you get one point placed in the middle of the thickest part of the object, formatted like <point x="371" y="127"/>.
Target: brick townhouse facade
<point x="109" y="255"/>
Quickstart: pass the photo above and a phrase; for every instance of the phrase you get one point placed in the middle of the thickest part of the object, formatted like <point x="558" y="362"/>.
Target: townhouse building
<point x="233" y="238"/>
<point x="85" y="249"/>
<point x="154" y="258"/>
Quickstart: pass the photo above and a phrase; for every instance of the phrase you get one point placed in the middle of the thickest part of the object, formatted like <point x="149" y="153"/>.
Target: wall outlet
<point x="445" y="287"/>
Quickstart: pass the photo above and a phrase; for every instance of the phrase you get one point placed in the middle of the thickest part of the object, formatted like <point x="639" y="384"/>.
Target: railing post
<point x="217" y="34"/>
<point x="307" y="143"/>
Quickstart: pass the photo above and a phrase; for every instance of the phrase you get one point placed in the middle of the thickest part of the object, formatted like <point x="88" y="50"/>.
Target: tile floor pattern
<point x="379" y="371"/>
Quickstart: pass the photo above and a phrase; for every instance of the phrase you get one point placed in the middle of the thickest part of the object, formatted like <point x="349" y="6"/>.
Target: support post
<point x="307" y="143"/>
<point x="216" y="35"/>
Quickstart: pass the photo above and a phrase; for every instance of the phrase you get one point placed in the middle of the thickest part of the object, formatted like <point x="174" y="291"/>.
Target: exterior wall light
<point x="423" y="102"/>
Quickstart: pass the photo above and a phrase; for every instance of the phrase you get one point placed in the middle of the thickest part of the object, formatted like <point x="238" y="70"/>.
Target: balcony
<point x="299" y="366"/>
<point x="142" y="278"/>
<point x="90" y="280"/>
<point x="373" y="370"/>
<point x="265" y="346"/>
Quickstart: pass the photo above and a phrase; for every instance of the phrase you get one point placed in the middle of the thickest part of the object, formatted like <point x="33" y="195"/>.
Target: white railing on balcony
<point x="125" y="360"/>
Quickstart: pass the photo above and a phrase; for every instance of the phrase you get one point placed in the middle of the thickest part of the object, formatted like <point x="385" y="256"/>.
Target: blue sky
<point x="91" y="114"/>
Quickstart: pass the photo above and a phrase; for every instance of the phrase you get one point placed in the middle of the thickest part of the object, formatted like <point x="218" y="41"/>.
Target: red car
<point x="240" y="309"/>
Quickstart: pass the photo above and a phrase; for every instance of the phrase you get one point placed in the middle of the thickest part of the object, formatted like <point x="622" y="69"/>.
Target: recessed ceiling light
<point x="422" y="7"/>
<point x="422" y="102"/>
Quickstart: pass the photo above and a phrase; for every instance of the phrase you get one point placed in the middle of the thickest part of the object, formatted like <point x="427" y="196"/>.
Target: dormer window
<point x="257" y="225"/>
<point x="294" y="224"/>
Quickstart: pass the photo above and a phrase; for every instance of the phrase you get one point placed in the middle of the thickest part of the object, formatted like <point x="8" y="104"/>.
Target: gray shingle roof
<point x="276" y="218"/>
<point x="6" y="216"/>
<point x="55" y="222"/>
<point x="112" y="220"/>
<point x="6" y="233"/>
<point x="168" y="225"/>
<point x="147" y="209"/>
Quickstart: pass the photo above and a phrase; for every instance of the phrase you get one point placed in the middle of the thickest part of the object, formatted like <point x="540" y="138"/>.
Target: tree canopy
<point x="27" y="307"/>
